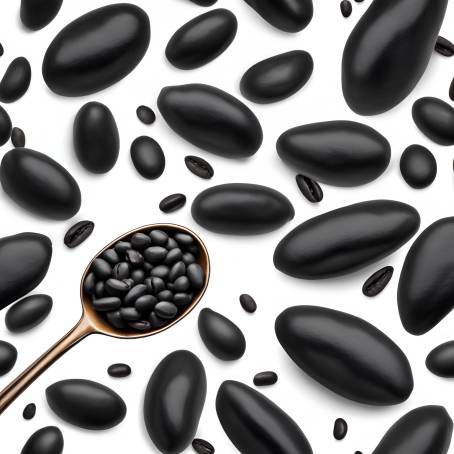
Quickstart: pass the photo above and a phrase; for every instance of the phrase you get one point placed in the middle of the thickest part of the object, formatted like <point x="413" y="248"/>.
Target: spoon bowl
<point x="93" y="322"/>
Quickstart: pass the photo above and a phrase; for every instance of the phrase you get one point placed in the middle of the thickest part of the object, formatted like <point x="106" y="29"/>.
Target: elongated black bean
<point x="198" y="166"/>
<point x="18" y="137"/>
<point x="172" y="203"/>
<point x="202" y="446"/>
<point x="378" y="281"/>
<point x="78" y="233"/>
<point x="309" y="188"/>
<point x="444" y="47"/>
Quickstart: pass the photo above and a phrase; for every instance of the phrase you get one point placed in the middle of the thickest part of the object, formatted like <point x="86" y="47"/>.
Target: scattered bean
<point x="119" y="370"/>
<point x="340" y="429"/>
<point x="29" y="411"/>
<point x="248" y="303"/>
<point x="265" y="378"/>
<point x="172" y="202"/>
<point x="18" y="137"/>
<point x="309" y="188"/>
<point x="146" y="115"/>
<point x="78" y="233"/>
<point x="202" y="446"/>
<point x="346" y="8"/>
<point x="444" y="47"/>
<point x="376" y="283"/>
<point x="198" y="166"/>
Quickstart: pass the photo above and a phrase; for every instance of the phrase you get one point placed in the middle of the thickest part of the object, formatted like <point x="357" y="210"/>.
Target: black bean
<point x="248" y="303"/>
<point x="142" y="325"/>
<point x="182" y="284"/>
<point x="155" y="321"/>
<point x="378" y="281"/>
<point x="111" y="256"/>
<point x="202" y="446"/>
<point x="16" y="80"/>
<point x="145" y="115"/>
<point x="188" y="258"/>
<point x="173" y="256"/>
<point x="1" y="50"/>
<point x="78" y="233"/>
<point x="184" y="239"/>
<point x="265" y="378"/>
<point x="115" y="287"/>
<point x="122" y="246"/>
<point x="135" y="293"/>
<point x="129" y="282"/>
<point x="119" y="370"/>
<point x="155" y="254"/>
<point x="177" y="270"/>
<point x="172" y="203"/>
<point x="29" y="411"/>
<point x="451" y="90"/>
<point x="170" y="286"/>
<point x="134" y="258"/>
<point x="199" y="167"/>
<point x="444" y="47"/>
<point x="171" y="244"/>
<point x="166" y="310"/>
<point x="309" y="188"/>
<point x="99" y="289"/>
<point x="90" y="283"/>
<point x="114" y="318"/>
<point x="121" y="271"/>
<point x="130" y="314"/>
<point x="158" y="284"/>
<point x="145" y="303"/>
<point x="18" y="137"/>
<point x="340" y="429"/>
<point x="346" y="8"/>
<point x="182" y="299"/>
<point x="148" y="282"/>
<point x="107" y="304"/>
<point x="159" y="238"/>
<point x="101" y="268"/>
<point x="165" y="295"/>
<point x="194" y="250"/>
<point x="138" y="276"/>
<point x="147" y="267"/>
<point x="196" y="275"/>
<point x="161" y="271"/>
<point x="140" y="241"/>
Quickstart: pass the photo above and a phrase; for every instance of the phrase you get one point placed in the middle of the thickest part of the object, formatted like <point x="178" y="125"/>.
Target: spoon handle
<point x="82" y="329"/>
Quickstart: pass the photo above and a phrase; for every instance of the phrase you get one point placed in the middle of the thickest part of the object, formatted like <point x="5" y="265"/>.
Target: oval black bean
<point x="146" y="115"/>
<point x="18" y="137"/>
<point x="78" y="233"/>
<point x="309" y="188"/>
<point x="418" y="166"/>
<point x="340" y="429"/>
<point x="119" y="370"/>
<point x="376" y="283"/>
<point x="5" y="126"/>
<point x="36" y="14"/>
<point x="16" y="80"/>
<point x="48" y="440"/>
<point x="248" y="303"/>
<point x="8" y="357"/>
<point x="444" y="47"/>
<point x="28" y="313"/>
<point x="198" y="166"/>
<point x="172" y="203"/>
<point x="346" y="8"/>
<point x="265" y="378"/>
<point x="29" y="411"/>
<point x="202" y="446"/>
<point x="148" y="157"/>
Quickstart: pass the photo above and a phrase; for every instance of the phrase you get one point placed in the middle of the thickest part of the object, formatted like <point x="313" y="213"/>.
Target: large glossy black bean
<point x="278" y="77"/>
<point x="440" y="360"/>
<point x="376" y="283"/>
<point x="174" y="401"/>
<point x="426" y="291"/>
<point x="48" y="440"/>
<point x="17" y="137"/>
<point x="24" y="261"/>
<point x="5" y="126"/>
<point x="435" y="118"/>
<point x="148" y="157"/>
<point x="172" y="203"/>
<point x="346" y="239"/>
<point x="341" y="153"/>
<point x="86" y="404"/>
<point x="425" y="430"/>
<point x="388" y="52"/>
<point x="211" y="119"/>
<point x="221" y="336"/>
<point x="287" y="15"/>
<point x="418" y="166"/>
<point x="255" y="424"/>
<point x="78" y="233"/>
<point x="16" y="80"/>
<point x="39" y="184"/>
<point x="241" y="209"/>
<point x="96" y="138"/>
<point x="346" y="354"/>
<point x="8" y="357"/>
<point x="28" y="313"/>
<point x="97" y="50"/>
<point x="36" y="14"/>
<point x="202" y="39"/>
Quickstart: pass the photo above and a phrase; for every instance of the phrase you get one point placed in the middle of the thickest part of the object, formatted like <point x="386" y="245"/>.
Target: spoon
<point x="92" y="322"/>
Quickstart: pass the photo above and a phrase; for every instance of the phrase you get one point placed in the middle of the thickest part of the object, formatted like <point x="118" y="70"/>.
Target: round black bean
<point x="161" y="271"/>
<point x="340" y="429"/>
<point x="130" y="314"/>
<point x="107" y="304"/>
<point x="158" y="284"/>
<point x="111" y="256"/>
<point x="101" y="268"/>
<point x="346" y="8"/>
<point x="155" y="254"/>
<point x="140" y="241"/>
<point x="166" y="310"/>
<point x="29" y="411"/>
<point x="136" y="292"/>
<point x="182" y="284"/>
<point x="119" y="370"/>
<point x="158" y="237"/>
<point x="121" y="271"/>
<point x="145" y="303"/>
<point x="248" y="303"/>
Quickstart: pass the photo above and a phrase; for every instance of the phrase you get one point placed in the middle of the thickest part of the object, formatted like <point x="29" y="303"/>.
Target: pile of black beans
<point x="147" y="280"/>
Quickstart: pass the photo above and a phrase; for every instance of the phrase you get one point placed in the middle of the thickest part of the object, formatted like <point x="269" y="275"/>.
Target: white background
<point x="122" y="200"/>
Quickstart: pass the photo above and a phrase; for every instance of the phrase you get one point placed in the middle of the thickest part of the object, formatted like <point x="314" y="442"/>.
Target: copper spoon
<point x="92" y="322"/>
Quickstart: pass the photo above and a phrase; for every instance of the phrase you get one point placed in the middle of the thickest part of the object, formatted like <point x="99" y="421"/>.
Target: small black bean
<point x="115" y="287"/>
<point x="182" y="299"/>
<point x="188" y="258"/>
<point x="202" y="446"/>
<point x="130" y="314"/>
<point x="159" y="238"/>
<point x="155" y="321"/>
<point x="121" y="271"/>
<point x="196" y="275"/>
<point x="101" y="268"/>
<point x="182" y="284"/>
<point x="161" y="271"/>
<point x="99" y="289"/>
<point x="155" y="254"/>
<point x="114" y="318"/>
<point x="129" y="282"/>
<point x="170" y="286"/>
<point x="248" y="303"/>
<point x="134" y="258"/>
<point x="106" y="304"/>
<point x="1" y="50"/>
<point x="444" y="47"/>
<point x="119" y="370"/>
<point x="111" y="256"/>
<point x="346" y="8"/>
<point x="184" y="239"/>
<point x="265" y="378"/>
<point x="136" y="292"/>
<point x="378" y="281"/>
<point x="165" y="295"/>
<point x="173" y="256"/>
<point x="451" y="90"/>
<point x="199" y="167"/>
<point x="90" y="283"/>
<point x="177" y="270"/>
<point x="149" y="285"/>
<point x="340" y="429"/>
<point x="145" y="115"/>
<point x="171" y="244"/>
<point x="145" y="303"/>
<point x="140" y="241"/>
<point x="18" y="137"/>
<point x="158" y="284"/>
<point x="142" y="325"/>
<point x="166" y="310"/>
<point x="309" y="188"/>
<point x="172" y="203"/>
<point x="122" y="246"/>
<point x="147" y="267"/>
<point x="29" y="411"/>
<point x="194" y="250"/>
<point x="138" y="276"/>
<point x="78" y="233"/>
